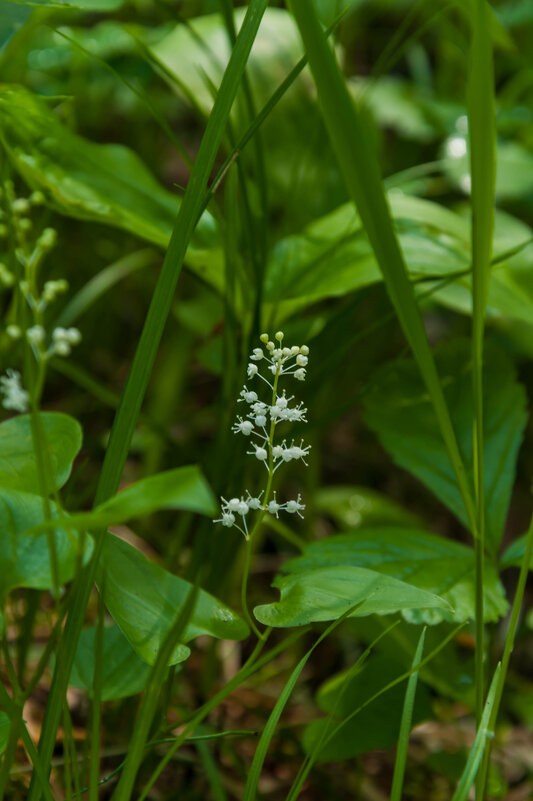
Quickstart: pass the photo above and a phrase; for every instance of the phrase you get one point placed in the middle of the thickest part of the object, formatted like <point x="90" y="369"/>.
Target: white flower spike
<point x="261" y="421"/>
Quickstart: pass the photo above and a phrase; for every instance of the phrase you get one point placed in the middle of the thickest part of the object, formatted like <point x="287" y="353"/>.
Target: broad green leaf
<point x="181" y="488"/>
<point x="354" y="507"/>
<point x="144" y="600"/>
<point x="5" y="724"/>
<point x="399" y="411"/>
<point x="17" y="458"/>
<point x="326" y="593"/>
<point x="423" y="560"/>
<point x="25" y="557"/>
<point x="123" y="673"/>
<point x="514" y="172"/>
<point x="104" y="183"/>
<point x="375" y="726"/>
<point x="333" y="255"/>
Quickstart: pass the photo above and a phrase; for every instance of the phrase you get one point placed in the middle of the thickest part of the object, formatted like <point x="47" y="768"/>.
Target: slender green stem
<point x="508" y="648"/>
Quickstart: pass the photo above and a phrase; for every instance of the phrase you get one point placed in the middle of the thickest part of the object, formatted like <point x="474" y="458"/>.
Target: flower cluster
<point x="15" y="396"/>
<point x="259" y="422"/>
<point x="29" y="252"/>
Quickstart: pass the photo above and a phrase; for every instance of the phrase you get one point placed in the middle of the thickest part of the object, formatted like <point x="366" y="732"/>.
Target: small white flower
<point x="243" y="426"/>
<point x="249" y="397"/>
<point x="62" y="348"/>
<point x="300" y="374"/>
<point x="260" y="420"/>
<point x="259" y="453"/>
<point x="15" y="396"/>
<point x="59" y="334"/>
<point x="232" y="505"/>
<point x="295" y="506"/>
<point x="297" y="452"/>
<point x="277" y="452"/>
<point x="259" y="407"/>
<point x="35" y="335"/>
<point x="242" y="508"/>
<point x="253" y="503"/>
<point x="257" y="355"/>
<point x="275" y="412"/>
<point x="73" y="336"/>
<point x="227" y="519"/>
<point x="301" y="360"/>
<point x="252" y="370"/>
<point x="282" y="402"/>
<point x="14" y="332"/>
<point x="273" y="507"/>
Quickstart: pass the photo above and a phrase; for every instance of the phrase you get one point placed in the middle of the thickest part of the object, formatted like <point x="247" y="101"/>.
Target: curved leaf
<point x="104" y="183"/>
<point x="17" y="458"/>
<point x="144" y="599"/>
<point x="431" y="563"/>
<point x="326" y="593"/>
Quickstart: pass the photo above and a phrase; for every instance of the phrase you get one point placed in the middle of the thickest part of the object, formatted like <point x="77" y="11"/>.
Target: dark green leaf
<point x="145" y="600"/>
<point x="123" y="673"/>
<point x="17" y="458"/>
<point x="423" y="560"/>
<point x="377" y="725"/>
<point x="326" y="593"/>
<point x="399" y="411"/>
<point x="25" y="557"/>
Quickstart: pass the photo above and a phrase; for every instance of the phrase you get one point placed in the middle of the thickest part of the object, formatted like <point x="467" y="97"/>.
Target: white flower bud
<point x="301" y="361"/>
<point x="242" y="508"/>
<point x="264" y="338"/>
<point x="260" y="420"/>
<point x="260" y="453"/>
<point x="254" y="503"/>
<point x="62" y="348"/>
<point x="14" y="332"/>
<point x="279" y="335"/>
<point x="295" y="349"/>
<point x="228" y="519"/>
<point x="252" y="370"/>
<point x="35" y="335"/>
<point x="274" y="507"/>
<point x="233" y="504"/>
<point x="73" y="336"/>
<point x="304" y="350"/>
<point x="300" y="374"/>
<point x="59" y="334"/>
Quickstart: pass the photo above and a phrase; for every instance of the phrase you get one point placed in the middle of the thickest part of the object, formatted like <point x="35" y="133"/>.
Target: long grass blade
<point x="482" y="170"/>
<point x="353" y="146"/>
<point x="405" y="725"/>
<point x="139" y="375"/>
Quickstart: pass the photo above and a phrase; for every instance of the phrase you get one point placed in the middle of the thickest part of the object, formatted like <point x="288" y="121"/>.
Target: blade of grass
<point x="252" y="665"/>
<point x="480" y="97"/>
<point x="405" y="725"/>
<point x="476" y="754"/>
<point x="139" y="375"/>
<point x="508" y="646"/>
<point x="351" y="142"/>
<point x="268" y="732"/>
<point x="309" y="761"/>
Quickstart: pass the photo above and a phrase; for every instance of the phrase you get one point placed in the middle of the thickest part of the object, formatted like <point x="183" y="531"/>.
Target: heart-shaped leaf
<point x="17" y="456"/>
<point x="145" y="600"/>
